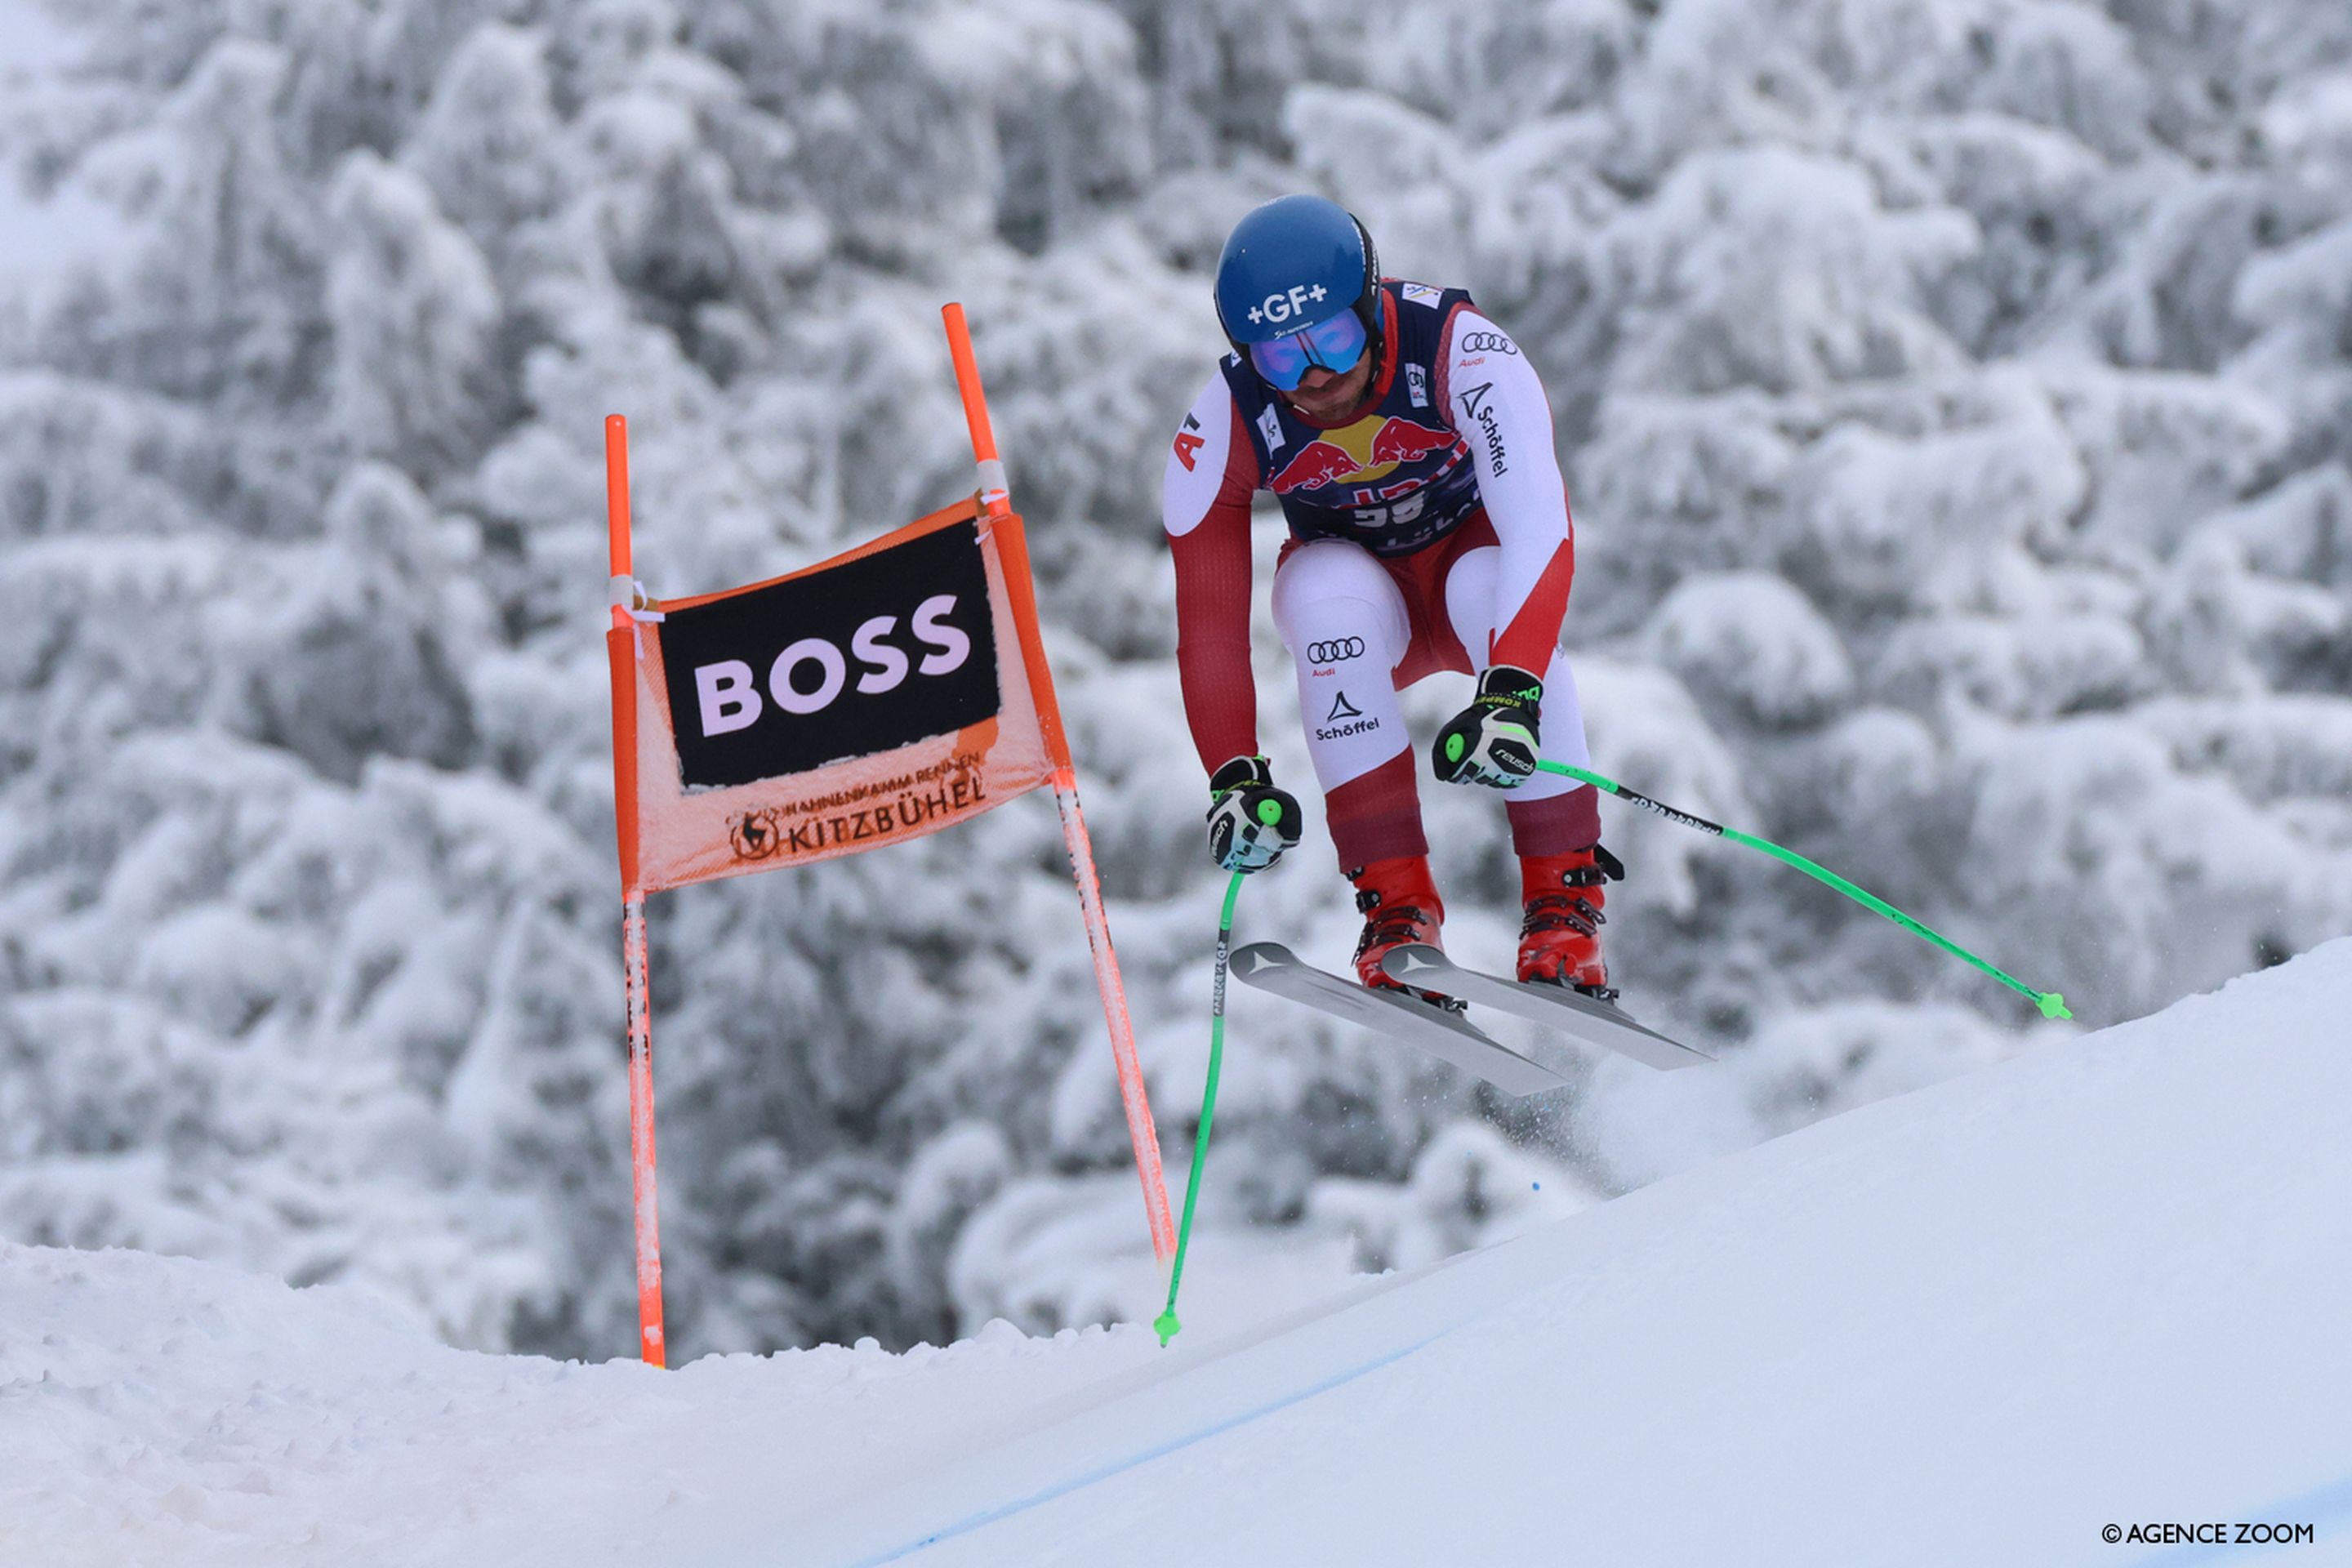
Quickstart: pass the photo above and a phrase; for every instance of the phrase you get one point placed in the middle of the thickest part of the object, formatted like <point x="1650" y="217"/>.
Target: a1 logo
<point x="730" y="700"/>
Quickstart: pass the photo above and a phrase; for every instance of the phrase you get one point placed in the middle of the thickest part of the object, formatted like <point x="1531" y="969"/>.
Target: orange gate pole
<point x="1013" y="544"/>
<point x="621" y="646"/>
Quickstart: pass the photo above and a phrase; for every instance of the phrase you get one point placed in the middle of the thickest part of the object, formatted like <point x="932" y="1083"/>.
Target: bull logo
<point x="1363" y="453"/>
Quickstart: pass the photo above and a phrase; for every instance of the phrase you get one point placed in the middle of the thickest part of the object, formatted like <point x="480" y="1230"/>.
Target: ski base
<point x="1556" y="1007"/>
<point x="1270" y="966"/>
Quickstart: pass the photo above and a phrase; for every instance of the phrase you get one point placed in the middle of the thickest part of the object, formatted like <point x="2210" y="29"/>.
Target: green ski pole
<point x="1166" y="1324"/>
<point x="2051" y="1004"/>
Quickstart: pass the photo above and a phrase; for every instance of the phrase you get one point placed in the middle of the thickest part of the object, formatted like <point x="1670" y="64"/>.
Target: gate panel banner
<point x="870" y="698"/>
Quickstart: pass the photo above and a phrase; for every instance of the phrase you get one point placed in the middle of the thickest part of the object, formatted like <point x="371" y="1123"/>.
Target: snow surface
<point x="1954" y="398"/>
<point x="2100" y="1283"/>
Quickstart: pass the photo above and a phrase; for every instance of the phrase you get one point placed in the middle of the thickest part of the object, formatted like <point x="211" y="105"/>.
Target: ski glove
<point x="1250" y="823"/>
<point x="1493" y="742"/>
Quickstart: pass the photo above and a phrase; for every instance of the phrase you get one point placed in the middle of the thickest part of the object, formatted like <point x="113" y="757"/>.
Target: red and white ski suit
<point x="1363" y="617"/>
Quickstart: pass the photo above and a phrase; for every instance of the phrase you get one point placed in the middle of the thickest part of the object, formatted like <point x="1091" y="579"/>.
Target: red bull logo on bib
<point x="1362" y="454"/>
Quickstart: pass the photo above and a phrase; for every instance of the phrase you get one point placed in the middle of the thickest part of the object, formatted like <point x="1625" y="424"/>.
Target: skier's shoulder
<point x="1436" y="299"/>
<point x="1425" y="317"/>
<point x="1205" y="455"/>
<point x="1214" y="396"/>
<point x="1474" y="339"/>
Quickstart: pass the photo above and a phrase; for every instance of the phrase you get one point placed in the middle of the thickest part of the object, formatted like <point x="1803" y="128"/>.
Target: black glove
<point x="1493" y="742"/>
<point x="1250" y="823"/>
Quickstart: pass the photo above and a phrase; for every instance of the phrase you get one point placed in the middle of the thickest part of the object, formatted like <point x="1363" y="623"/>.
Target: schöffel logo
<point x="1345" y="719"/>
<point x="1488" y="343"/>
<point x="865" y="657"/>
<point x="1480" y="406"/>
<point x="1334" y="650"/>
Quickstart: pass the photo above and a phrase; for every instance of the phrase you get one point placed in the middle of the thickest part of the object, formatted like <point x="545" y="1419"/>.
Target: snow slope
<point x="1972" y="1325"/>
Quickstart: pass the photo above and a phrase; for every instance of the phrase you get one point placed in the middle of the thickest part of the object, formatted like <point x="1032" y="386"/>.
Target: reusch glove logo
<point x="1494" y="740"/>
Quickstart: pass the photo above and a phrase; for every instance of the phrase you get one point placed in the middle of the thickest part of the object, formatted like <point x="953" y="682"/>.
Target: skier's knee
<point x="1331" y="596"/>
<point x="1470" y="601"/>
<point x="1324" y="568"/>
<point x="1342" y="631"/>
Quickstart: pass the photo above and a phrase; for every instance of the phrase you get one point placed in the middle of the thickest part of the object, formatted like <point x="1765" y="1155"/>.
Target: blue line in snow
<point x="2324" y="1510"/>
<point x="1060" y="1490"/>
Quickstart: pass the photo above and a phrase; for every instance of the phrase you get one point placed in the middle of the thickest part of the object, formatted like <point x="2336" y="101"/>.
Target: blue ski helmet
<point x="1293" y="263"/>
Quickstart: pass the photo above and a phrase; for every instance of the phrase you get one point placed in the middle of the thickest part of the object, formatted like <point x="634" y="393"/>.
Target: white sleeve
<point x="1496" y="400"/>
<point x="1198" y="460"/>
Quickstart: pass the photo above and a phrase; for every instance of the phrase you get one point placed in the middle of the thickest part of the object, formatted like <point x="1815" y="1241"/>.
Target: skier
<point x="1409" y="444"/>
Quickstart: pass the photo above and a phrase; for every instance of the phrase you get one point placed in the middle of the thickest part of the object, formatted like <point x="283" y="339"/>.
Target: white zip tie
<point x="628" y="593"/>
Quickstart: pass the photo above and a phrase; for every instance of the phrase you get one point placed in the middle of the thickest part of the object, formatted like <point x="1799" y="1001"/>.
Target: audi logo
<point x="1333" y="652"/>
<point x="1487" y="342"/>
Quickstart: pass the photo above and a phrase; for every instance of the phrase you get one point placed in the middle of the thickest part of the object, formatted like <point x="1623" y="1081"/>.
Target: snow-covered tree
<point x="1954" y="400"/>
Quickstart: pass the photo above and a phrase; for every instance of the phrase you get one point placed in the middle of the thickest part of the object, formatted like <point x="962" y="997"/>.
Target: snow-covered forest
<point x="1954" y="396"/>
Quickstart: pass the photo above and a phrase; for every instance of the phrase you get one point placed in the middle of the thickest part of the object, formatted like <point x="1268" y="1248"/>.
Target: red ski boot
<point x="1560" y="940"/>
<point x="1400" y="906"/>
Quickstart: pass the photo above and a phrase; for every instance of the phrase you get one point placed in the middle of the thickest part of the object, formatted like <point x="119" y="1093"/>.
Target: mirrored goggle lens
<point x="1282" y="362"/>
<point x="1335" y="344"/>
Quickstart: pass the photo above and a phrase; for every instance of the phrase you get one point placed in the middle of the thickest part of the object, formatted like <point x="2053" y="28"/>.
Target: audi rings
<point x="1332" y="652"/>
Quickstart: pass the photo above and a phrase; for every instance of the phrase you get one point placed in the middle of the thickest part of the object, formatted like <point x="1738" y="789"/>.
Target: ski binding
<point x="1440" y="1031"/>
<point x="1581" y="1019"/>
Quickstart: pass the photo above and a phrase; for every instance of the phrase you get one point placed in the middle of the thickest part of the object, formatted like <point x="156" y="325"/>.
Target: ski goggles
<point x="1335" y="344"/>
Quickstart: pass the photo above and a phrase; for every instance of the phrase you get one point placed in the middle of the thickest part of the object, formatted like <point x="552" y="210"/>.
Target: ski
<point x="1556" y="1007"/>
<point x="1270" y="966"/>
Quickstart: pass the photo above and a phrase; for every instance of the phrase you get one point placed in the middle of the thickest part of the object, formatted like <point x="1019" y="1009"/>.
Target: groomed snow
<point x="2105" y="1282"/>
